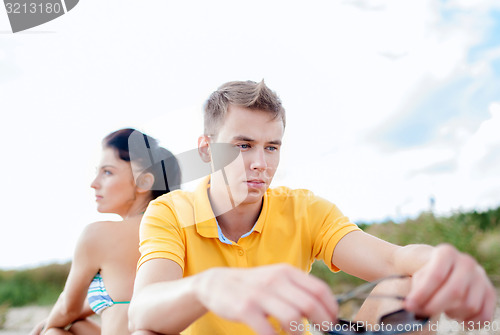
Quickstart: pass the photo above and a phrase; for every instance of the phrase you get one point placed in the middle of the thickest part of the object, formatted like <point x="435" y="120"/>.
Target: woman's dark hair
<point x="134" y="146"/>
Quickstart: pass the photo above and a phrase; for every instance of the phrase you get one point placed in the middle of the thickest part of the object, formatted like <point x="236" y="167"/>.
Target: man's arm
<point x="167" y="304"/>
<point x="163" y="301"/>
<point x="443" y="279"/>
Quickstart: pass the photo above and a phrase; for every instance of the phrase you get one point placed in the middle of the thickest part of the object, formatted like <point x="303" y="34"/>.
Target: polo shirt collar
<point x="206" y="224"/>
<point x="263" y="213"/>
<point x="204" y="216"/>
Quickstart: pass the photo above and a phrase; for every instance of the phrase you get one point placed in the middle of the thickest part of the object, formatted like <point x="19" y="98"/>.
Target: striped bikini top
<point x="98" y="297"/>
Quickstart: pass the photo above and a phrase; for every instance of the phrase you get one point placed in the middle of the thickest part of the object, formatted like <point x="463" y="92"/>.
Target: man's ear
<point x="204" y="148"/>
<point x="145" y="182"/>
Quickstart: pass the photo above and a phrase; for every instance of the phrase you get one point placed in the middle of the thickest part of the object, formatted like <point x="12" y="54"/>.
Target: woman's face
<point x="114" y="184"/>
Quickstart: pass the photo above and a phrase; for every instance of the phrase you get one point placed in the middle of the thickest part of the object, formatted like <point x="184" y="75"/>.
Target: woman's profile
<point x="102" y="273"/>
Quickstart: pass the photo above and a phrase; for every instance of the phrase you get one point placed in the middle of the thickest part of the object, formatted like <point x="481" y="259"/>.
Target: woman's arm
<point x="71" y="305"/>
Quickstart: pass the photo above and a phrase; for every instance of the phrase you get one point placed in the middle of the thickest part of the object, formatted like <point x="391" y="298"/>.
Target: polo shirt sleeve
<point x="331" y="226"/>
<point x="160" y="234"/>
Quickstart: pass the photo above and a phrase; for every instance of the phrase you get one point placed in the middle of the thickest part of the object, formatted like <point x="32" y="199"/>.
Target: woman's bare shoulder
<point x="95" y="231"/>
<point x="99" y="234"/>
<point x="108" y="229"/>
<point x="98" y="226"/>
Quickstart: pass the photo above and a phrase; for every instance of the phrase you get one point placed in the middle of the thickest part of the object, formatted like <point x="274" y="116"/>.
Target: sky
<point x="389" y="103"/>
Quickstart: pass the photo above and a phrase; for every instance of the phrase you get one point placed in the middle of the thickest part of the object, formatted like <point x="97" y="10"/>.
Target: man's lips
<point x="256" y="182"/>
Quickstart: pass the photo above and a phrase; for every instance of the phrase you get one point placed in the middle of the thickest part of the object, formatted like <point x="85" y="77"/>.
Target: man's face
<point x="258" y="137"/>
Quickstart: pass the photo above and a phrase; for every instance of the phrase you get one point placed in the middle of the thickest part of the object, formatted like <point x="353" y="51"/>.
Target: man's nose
<point x="258" y="160"/>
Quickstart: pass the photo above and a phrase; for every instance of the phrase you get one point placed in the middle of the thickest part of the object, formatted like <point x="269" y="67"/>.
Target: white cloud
<point x="483" y="147"/>
<point x="483" y="5"/>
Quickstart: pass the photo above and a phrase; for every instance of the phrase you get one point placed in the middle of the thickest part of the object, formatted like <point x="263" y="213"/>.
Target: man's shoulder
<point x="287" y="193"/>
<point x="177" y="208"/>
<point x="297" y="198"/>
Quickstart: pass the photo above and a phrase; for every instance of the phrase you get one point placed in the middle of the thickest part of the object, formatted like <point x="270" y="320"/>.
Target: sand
<point x="20" y="320"/>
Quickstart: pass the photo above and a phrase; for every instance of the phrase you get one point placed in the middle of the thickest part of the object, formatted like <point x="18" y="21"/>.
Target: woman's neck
<point x="137" y="208"/>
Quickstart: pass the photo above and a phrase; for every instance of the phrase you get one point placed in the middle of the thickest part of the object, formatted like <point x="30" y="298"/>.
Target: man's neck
<point x="239" y="221"/>
<point x="234" y="222"/>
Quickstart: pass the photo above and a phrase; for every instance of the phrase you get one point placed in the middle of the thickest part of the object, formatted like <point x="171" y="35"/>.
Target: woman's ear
<point x="204" y="148"/>
<point x="145" y="182"/>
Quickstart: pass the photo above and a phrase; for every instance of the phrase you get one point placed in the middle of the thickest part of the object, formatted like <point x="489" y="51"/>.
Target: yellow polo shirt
<point x="294" y="227"/>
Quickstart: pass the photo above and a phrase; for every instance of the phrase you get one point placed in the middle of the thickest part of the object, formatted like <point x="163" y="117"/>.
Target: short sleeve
<point x="330" y="227"/>
<point x="161" y="235"/>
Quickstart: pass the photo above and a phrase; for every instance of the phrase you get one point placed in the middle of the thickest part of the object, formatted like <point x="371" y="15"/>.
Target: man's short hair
<point x="247" y="94"/>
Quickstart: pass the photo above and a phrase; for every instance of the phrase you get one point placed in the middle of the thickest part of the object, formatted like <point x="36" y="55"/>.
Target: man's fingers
<point x="428" y="280"/>
<point x="259" y="323"/>
<point x="487" y="310"/>
<point x="306" y="303"/>
<point x="453" y="283"/>
<point x="279" y="291"/>
<point x="452" y="293"/>
<point x="288" y="315"/>
<point x="321" y="293"/>
<point x="472" y="304"/>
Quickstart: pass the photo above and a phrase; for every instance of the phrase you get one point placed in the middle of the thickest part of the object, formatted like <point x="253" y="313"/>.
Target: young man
<point x="233" y="256"/>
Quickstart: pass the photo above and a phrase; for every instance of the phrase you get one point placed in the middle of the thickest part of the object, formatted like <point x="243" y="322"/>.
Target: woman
<point x="104" y="263"/>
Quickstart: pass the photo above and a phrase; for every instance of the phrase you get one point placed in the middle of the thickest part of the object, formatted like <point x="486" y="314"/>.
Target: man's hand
<point x="280" y="291"/>
<point x="454" y="283"/>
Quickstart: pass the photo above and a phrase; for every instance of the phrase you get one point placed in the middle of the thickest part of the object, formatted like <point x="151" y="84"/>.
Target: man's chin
<point x="247" y="195"/>
<point x="253" y="196"/>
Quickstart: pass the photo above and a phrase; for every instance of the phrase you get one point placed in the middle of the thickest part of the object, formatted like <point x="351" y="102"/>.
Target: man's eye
<point x="244" y="146"/>
<point x="107" y="172"/>
<point x="272" y="148"/>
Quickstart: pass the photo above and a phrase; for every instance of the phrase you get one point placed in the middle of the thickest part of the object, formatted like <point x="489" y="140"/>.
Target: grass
<point x="39" y="286"/>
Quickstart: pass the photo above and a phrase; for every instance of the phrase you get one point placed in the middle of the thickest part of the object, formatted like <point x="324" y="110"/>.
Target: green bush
<point x="40" y="285"/>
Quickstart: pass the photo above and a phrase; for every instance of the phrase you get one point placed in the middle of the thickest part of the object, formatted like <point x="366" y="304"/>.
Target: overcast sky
<point x="389" y="103"/>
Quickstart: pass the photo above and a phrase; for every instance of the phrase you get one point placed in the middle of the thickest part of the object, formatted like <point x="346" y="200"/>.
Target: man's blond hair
<point x="247" y="94"/>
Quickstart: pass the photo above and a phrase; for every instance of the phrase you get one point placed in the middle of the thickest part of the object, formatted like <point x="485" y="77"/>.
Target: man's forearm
<point x="166" y="307"/>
